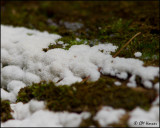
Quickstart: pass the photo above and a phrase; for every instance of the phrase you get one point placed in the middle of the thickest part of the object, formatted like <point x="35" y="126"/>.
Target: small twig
<point x="59" y="80"/>
<point x="126" y="44"/>
<point x="85" y="79"/>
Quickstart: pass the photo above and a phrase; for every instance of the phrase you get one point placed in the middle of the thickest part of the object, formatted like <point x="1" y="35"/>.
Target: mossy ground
<point x="104" y="21"/>
<point x="87" y="96"/>
<point x="5" y="111"/>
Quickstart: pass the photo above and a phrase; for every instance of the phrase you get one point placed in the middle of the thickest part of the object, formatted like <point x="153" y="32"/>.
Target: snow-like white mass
<point x="45" y="118"/>
<point x="141" y="118"/>
<point x="22" y="111"/>
<point x="132" y="82"/>
<point x="156" y="86"/>
<point x="156" y="101"/>
<point x="108" y="115"/>
<point x="137" y="54"/>
<point x="7" y="95"/>
<point x="117" y="83"/>
<point x="33" y="114"/>
<point x="23" y="62"/>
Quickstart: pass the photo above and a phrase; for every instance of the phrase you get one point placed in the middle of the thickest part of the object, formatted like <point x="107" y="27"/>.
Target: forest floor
<point x="94" y="22"/>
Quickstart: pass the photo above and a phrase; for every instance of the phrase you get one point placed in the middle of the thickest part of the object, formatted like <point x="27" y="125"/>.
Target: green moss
<point x="87" y="96"/>
<point x="25" y="95"/>
<point x="68" y="41"/>
<point x="5" y="111"/>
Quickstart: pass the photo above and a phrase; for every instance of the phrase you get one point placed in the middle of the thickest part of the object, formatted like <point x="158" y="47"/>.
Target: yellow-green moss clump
<point x="5" y="111"/>
<point x="87" y="96"/>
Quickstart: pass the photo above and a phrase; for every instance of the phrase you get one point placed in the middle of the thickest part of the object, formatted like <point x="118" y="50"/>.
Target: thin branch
<point x="126" y="44"/>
